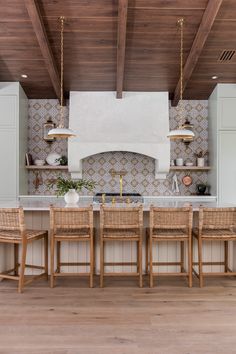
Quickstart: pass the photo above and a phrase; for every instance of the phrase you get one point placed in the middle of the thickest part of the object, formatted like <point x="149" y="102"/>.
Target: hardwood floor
<point x="120" y="318"/>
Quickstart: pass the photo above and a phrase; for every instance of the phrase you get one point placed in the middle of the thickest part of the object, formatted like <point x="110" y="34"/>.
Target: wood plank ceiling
<point x="90" y="50"/>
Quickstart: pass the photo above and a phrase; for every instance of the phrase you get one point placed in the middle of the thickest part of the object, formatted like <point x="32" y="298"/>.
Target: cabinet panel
<point x="227" y="114"/>
<point x="8" y="111"/>
<point x="8" y="172"/>
<point x="227" y="167"/>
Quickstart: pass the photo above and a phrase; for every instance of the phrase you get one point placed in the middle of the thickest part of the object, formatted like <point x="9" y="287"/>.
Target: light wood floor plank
<point x="118" y="319"/>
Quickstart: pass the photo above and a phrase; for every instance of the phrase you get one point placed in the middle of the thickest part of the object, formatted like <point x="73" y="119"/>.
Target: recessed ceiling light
<point x="214" y="77"/>
<point x="24" y="76"/>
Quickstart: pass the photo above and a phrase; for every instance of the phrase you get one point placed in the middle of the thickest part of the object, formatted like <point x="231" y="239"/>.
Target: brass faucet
<point x="121" y="174"/>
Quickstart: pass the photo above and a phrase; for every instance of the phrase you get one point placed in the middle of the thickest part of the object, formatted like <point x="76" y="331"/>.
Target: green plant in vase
<point x="70" y="188"/>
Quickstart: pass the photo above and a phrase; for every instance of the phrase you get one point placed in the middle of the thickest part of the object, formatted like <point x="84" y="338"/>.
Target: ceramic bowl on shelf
<point x="53" y="159"/>
<point x="39" y="162"/>
<point x="188" y="164"/>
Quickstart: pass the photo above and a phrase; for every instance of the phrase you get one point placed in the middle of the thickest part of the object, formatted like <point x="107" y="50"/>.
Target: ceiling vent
<point x="226" y="55"/>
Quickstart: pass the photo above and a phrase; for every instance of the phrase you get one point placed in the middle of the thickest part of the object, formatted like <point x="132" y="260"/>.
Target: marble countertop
<point x="38" y="203"/>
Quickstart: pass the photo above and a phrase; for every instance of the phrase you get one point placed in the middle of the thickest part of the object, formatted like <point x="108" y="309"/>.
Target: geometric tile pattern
<point x="140" y="169"/>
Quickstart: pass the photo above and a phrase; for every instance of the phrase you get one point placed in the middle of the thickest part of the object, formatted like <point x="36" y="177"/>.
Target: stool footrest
<point x="120" y="264"/>
<point x="121" y="274"/>
<point x="166" y="263"/>
<point x="171" y="274"/>
<point x="34" y="266"/>
<point x="70" y="274"/>
<point x="74" y="264"/>
<point x="210" y="263"/>
<point x="6" y="276"/>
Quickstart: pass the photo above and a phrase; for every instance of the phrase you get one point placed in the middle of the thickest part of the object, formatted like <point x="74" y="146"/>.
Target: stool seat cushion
<point x="72" y="233"/>
<point x="169" y="233"/>
<point x="116" y="233"/>
<point x="216" y="233"/>
<point x="16" y="235"/>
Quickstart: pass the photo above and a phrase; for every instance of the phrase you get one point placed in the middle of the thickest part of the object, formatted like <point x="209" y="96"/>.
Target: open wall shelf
<point x="46" y="167"/>
<point x="189" y="168"/>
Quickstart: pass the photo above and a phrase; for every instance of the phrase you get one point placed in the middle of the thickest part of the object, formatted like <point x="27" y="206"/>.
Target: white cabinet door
<point x="8" y="169"/>
<point x="227" y="113"/>
<point x="8" y="111"/>
<point x="227" y="166"/>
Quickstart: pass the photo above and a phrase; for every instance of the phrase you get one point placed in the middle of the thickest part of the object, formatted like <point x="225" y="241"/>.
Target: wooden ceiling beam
<point x="121" y="40"/>
<point x="204" y="29"/>
<point x="40" y="32"/>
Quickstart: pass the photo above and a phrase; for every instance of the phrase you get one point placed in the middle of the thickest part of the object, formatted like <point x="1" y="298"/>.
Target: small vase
<point x="200" y="161"/>
<point x="71" y="197"/>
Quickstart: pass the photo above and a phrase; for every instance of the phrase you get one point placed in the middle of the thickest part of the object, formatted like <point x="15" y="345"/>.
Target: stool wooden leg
<point x="200" y="261"/>
<point x="150" y="263"/>
<point x="91" y="262"/>
<point x="16" y="258"/>
<point x="137" y="253"/>
<point x="101" y="262"/>
<point x="52" y="262"/>
<point x="46" y="255"/>
<point x="146" y="253"/>
<point x="140" y="263"/>
<point x="190" y="263"/>
<point x="22" y="268"/>
<point x="226" y="260"/>
<point x="94" y="252"/>
<point x="182" y="256"/>
<point x="58" y="245"/>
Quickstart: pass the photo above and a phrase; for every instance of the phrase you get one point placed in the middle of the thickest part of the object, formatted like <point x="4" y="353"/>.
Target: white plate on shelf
<point x="52" y="159"/>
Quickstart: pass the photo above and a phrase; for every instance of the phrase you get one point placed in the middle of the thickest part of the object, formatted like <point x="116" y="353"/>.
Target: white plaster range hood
<point x="139" y="122"/>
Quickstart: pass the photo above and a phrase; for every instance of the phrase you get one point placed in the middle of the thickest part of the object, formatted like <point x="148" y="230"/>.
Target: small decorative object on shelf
<point x="188" y="163"/>
<point x="70" y="188"/>
<point x="46" y="128"/>
<point x="201" y="188"/>
<point x="63" y="160"/>
<point x="38" y="162"/>
<point x="201" y="158"/>
<point x="179" y="161"/>
<point x="187" y="180"/>
<point x="53" y="159"/>
<point x="28" y="159"/>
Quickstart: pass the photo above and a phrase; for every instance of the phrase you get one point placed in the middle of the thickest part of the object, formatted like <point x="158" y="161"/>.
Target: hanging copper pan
<point x="187" y="180"/>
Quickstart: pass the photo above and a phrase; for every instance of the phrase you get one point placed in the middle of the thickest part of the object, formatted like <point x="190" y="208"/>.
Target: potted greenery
<point x="201" y="158"/>
<point x="70" y="188"/>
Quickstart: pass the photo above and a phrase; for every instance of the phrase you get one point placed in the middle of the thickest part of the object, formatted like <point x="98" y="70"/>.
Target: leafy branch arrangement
<point x="201" y="153"/>
<point x="64" y="185"/>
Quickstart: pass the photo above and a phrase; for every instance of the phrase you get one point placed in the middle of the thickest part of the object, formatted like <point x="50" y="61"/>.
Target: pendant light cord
<point x="181" y="24"/>
<point x="61" y="125"/>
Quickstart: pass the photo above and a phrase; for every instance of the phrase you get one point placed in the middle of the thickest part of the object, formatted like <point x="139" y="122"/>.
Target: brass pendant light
<point x="61" y="131"/>
<point x="182" y="132"/>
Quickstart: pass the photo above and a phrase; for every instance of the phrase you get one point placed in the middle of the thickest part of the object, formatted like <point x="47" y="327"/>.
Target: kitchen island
<point x="37" y="217"/>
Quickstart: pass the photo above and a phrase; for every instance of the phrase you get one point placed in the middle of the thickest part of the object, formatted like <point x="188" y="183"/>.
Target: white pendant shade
<point x="61" y="133"/>
<point x="180" y="134"/>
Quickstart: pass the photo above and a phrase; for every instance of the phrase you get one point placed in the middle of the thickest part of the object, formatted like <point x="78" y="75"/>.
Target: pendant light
<point x="61" y="131"/>
<point x="182" y="132"/>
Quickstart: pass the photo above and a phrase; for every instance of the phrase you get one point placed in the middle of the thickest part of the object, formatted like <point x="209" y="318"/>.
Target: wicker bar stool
<point x="71" y="225"/>
<point x="215" y="224"/>
<point x="170" y="224"/>
<point x="121" y="224"/>
<point x="13" y="231"/>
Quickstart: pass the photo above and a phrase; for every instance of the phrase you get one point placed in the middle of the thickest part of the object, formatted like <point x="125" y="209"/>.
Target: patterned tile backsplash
<point x="140" y="169"/>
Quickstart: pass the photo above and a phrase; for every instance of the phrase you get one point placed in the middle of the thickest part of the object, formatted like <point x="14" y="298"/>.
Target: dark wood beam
<point x="204" y="29"/>
<point x="121" y="39"/>
<point x="39" y="29"/>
